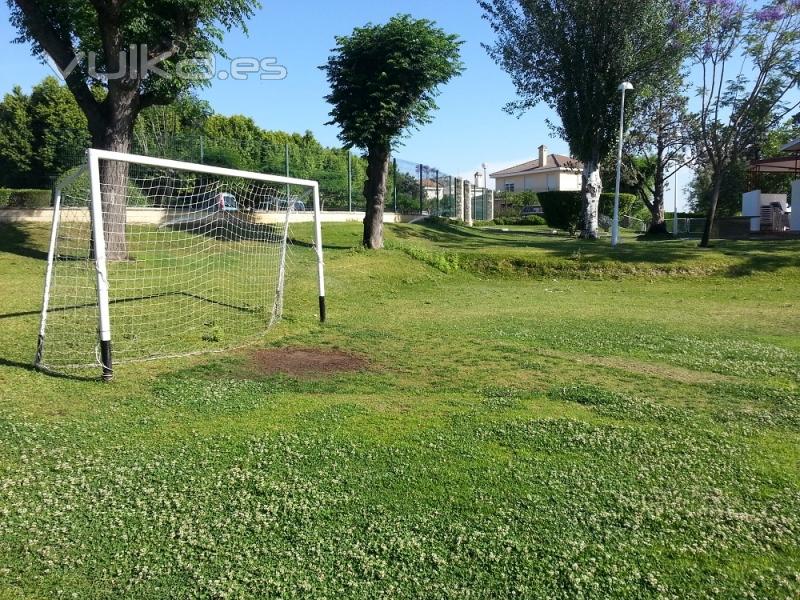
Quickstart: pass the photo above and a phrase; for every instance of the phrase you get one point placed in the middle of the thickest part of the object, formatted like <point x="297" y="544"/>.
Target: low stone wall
<point x="159" y="216"/>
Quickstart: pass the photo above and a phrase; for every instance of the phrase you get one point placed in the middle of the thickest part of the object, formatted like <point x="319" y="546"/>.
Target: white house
<point x="548" y="173"/>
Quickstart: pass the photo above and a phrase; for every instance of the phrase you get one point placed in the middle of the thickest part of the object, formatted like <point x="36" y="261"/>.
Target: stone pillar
<point x="794" y="223"/>
<point x="490" y="206"/>
<point x="467" y="203"/>
<point x="458" y="189"/>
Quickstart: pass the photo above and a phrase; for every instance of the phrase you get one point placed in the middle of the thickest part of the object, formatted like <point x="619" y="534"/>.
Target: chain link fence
<point x="412" y="187"/>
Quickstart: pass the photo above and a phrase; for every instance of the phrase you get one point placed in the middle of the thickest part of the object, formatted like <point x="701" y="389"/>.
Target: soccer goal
<point x="153" y="258"/>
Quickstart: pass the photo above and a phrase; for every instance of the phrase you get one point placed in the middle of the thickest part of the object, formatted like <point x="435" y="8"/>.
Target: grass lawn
<point x="541" y="418"/>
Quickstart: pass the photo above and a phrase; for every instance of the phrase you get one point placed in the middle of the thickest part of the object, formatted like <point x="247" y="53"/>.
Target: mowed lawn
<point x="540" y="418"/>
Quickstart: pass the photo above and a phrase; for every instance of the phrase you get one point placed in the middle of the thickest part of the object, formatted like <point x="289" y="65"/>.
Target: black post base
<point x="322" y="314"/>
<point x="105" y="358"/>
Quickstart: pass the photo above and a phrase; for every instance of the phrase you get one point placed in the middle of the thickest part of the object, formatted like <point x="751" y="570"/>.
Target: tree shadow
<point x="15" y="240"/>
<point x="456" y="237"/>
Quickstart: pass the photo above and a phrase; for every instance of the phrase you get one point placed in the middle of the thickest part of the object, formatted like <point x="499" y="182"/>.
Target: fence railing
<point x="412" y="187"/>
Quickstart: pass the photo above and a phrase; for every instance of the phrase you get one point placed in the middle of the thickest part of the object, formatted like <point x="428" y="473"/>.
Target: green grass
<point x="542" y="417"/>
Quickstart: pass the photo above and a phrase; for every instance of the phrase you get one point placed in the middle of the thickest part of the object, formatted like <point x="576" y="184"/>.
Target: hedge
<point x="562" y="210"/>
<point x="25" y="198"/>
<point x="526" y="220"/>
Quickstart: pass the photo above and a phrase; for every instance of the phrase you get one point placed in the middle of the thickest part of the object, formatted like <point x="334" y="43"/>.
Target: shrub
<point x="562" y="210"/>
<point x="25" y="198"/>
<point x="527" y="220"/>
<point x="627" y="204"/>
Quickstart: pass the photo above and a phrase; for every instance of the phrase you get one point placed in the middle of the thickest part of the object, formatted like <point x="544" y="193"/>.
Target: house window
<point x="509" y="187"/>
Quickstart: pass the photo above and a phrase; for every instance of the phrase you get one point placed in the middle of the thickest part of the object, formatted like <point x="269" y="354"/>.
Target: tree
<point x="124" y="38"/>
<point x="658" y="144"/>
<point x="16" y="139"/>
<point x="761" y="46"/>
<point x="573" y="54"/>
<point x="384" y="80"/>
<point x="59" y="129"/>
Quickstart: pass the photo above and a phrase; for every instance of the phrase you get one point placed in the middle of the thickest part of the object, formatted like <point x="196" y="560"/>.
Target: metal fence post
<point x="437" y="192"/>
<point x="420" y="189"/>
<point x="288" y="188"/>
<point x="394" y="183"/>
<point x="350" y="179"/>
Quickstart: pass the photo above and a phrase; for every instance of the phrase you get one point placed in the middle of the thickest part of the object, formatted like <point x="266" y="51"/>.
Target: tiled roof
<point x="553" y="160"/>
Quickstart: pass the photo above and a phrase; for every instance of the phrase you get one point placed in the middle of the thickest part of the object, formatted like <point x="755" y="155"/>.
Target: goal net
<point x="151" y="258"/>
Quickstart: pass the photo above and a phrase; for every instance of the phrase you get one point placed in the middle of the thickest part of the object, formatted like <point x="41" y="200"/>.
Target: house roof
<point x="554" y="161"/>
<point x="793" y="146"/>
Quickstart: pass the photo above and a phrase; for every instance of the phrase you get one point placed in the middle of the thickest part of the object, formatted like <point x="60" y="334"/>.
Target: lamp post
<point x="623" y="87"/>
<point x="485" y="181"/>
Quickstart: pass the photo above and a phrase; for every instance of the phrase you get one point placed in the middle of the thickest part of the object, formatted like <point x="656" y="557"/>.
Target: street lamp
<point x="485" y="181"/>
<point x="623" y="87"/>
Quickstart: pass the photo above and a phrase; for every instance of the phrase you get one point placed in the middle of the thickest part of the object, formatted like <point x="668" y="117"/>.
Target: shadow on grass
<point x="30" y="367"/>
<point x="753" y="256"/>
<point x="15" y="240"/>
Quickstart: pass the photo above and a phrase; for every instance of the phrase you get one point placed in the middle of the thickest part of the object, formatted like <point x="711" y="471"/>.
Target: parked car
<point x="532" y="209"/>
<point x="227" y="202"/>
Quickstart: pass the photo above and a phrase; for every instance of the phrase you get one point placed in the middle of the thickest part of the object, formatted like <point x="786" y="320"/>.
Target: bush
<point x="562" y="210"/>
<point x="25" y="198"/>
<point x="627" y="204"/>
<point x="527" y="220"/>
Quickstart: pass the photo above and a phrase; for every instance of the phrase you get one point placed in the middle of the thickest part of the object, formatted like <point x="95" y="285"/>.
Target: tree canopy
<point x="385" y="78"/>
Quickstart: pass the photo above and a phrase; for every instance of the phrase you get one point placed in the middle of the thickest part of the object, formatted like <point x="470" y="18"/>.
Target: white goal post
<point x="167" y="257"/>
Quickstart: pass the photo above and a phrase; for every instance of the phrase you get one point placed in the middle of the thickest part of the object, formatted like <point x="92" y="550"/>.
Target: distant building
<point x="548" y="173"/>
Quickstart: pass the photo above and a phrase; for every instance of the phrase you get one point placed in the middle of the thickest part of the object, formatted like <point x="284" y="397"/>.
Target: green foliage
<point x="23" y="198"/>
<point x="561" y="209"/>
<point x="41" y="135"/>
<point x="16" y="139"/>
<point x="58" y="125"/>
<point x="537" y="220"/>
<point x="734" y="184"/>
<point x="589" y="47"/>
<point x="384" y="79"/>
<point x="63" y="28"/>
<point x="629" y="204"/>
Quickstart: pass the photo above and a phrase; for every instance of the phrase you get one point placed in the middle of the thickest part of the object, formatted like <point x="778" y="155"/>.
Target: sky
<point x="469" y="129"/>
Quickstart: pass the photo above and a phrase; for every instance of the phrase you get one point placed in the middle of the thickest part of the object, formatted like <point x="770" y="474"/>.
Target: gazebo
<point x="772" y="210"/>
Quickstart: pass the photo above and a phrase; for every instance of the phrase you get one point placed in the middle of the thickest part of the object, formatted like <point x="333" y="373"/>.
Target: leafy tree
<point x="59" y="129"/>
<point x="171" y="130"/>
<point x="16" y="139"/>
<point x="737" y="112"/>
<point x="731" y="187"/>
<point x="120" y="33"/>
<point x="573" y="54"/>
<point x="384" y="80"/>
<point x="658" y="145"/>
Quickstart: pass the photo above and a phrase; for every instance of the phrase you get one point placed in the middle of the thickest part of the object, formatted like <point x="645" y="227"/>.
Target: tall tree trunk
<point x="658" y="224"/>
<point x="592" y="187"/>
<point x="375" y="195"/>
<point x="115" y="134"/>
<point x="712" y="208"/>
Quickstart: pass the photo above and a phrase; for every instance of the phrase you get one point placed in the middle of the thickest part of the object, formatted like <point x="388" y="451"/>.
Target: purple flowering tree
<point x="750" y="61"/>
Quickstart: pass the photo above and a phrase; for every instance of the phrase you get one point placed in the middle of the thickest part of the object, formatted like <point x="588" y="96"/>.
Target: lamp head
<point x="625" y="86"/>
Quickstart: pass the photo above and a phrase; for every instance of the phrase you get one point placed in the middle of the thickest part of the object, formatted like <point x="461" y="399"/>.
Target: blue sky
<point x="470" y="128"/>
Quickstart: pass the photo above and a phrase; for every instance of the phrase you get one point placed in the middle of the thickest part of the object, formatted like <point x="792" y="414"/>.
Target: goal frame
<point x="94" y="156"/>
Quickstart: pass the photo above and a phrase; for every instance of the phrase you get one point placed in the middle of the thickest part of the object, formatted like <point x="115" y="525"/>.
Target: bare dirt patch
<point x="306" y="362"/>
